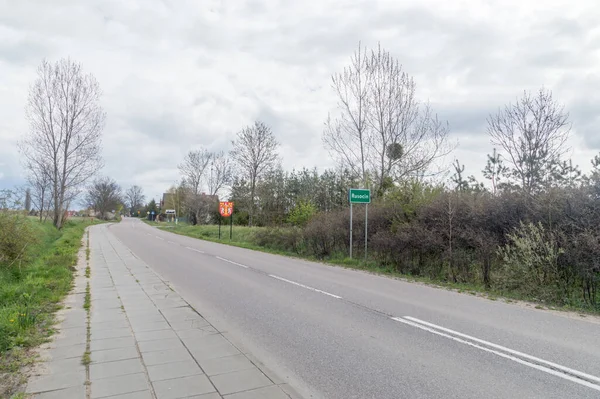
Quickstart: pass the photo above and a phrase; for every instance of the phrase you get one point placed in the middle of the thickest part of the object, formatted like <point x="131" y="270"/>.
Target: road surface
<point x="341" y="334"/>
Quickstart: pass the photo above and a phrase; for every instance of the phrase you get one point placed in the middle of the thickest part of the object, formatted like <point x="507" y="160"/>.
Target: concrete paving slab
<point x="119" y="385"/>
<point x="197" y="333"/>
<point x="239" y="381"/>
<point x="134" y="395"/>
<point x="182" y="387"/>
<point x="55" y="381"/>
<point x="68" y="341"/>
<point x="166" y="356"/>
<point x="112" y="343"/>
<point x="272" y="392"/>
<point x="221" y="350"/>
<point x="189" y="324"/>
<point x="208" y="341"/>
<point x="112" y="315"/>
<point x="66" y="352"/>
<point x="160" y="344"/>
<point x="169" y="371"/>
<point x="151" y="326"/>
<point x="70" y="393"/>
<point x="115" y="333"/>
<point x="213" y="395"/>
<point x="153" y="335"/>
<point x="113" y="369"/>
<point x="109" y="325"/>
<point x="73" y="332"/>
<point x="111" y="355"/>
<point x="227" y="364"/>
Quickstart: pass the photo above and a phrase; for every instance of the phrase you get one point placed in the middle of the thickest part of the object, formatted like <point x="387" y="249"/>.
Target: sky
<point x="179" y="75"/>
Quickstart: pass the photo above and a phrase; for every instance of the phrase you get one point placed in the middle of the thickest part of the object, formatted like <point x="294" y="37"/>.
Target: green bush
<point x="302" y="213"/>
<point x="16" y="239"/>
<point x="530" y="263"/>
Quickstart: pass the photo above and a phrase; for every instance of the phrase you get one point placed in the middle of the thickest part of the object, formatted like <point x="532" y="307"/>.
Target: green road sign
<point x="360" y="196"/>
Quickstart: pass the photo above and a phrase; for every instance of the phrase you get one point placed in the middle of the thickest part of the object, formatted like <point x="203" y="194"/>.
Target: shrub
<point x="530" y="263"/>
<point x="280" y="239"/>
<point x="16" y="238"/>
<point x="302" y="213"/>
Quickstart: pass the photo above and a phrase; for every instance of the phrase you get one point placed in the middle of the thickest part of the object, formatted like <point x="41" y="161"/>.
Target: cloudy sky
<point x="181" y="74"/>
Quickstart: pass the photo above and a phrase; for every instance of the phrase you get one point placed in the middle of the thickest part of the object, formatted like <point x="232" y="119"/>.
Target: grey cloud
<point x="24" y="52"/>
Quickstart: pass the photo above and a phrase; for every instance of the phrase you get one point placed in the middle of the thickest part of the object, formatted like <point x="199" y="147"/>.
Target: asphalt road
<point x="341" y="334"/>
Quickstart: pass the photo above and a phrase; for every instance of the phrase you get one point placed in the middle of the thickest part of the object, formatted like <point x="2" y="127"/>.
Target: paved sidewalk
<point x="145" y="341"/>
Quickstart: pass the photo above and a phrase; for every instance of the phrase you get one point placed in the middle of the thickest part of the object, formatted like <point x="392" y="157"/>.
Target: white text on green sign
<point x="360" y="196"/>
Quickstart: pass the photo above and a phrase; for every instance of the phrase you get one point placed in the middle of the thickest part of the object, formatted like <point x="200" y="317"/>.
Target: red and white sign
<point x="226" y="208"/>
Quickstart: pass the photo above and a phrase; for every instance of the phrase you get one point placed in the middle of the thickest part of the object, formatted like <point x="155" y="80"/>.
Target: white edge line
<point x="232" y="262"/>
<point x="504" y="355"/>
<point x="194" y="249"/>
<point x="305" y="286"/>
<point x="511" y="351"/>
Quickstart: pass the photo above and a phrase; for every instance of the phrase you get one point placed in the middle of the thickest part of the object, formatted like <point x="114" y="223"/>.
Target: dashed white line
<point x="160" y="238"/>
<point x="194" y="249"/>
<point x="232" y="262"/>
<point x="534" y="362"/>
<point x="148" y="234"/>
<point x="305" y="286"/>
<point x="171" y="242"/>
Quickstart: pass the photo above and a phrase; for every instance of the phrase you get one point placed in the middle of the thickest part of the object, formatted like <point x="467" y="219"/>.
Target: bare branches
<point x="382" y="131"/>
<point x="193" y="168"/>
<point x="135" y="198"/>
<point x="103" y="196"/>
<point x="533" y="133"/>
<point x="346" y="136"/>
<point x="255" y="153"/>
<point x="64" y="140"/>
<point x="220" y="172"/>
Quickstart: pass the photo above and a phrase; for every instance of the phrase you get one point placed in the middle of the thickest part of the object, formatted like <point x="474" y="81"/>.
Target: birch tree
<point x="255" y="153"/>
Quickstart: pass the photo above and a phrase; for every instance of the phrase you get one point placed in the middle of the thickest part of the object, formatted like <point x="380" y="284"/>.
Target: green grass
<point x="30" y="295"/>
<point x="86" y="358"/>
<point x="87" y="301"/>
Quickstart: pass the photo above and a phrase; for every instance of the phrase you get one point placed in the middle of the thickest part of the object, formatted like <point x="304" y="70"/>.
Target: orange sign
<point x="225" y="208"/>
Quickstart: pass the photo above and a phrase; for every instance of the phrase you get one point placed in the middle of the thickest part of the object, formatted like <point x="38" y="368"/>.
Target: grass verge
<point x="30" y="294"/>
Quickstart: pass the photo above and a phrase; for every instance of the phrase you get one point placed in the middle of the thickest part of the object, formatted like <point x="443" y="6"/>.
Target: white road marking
<point x="193" y="249"/>
<point x="305" y="286"/>
<point x="171" y="242"/>
<point x="160" y="238"/>
<point x="232" y="262"/>
<point x="566" y="373"/>
<point x="148" y="234"/>
<point x="564" y="369"/>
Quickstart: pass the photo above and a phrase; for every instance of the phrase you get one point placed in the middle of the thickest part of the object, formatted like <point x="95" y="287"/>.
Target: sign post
<point x="226" y="210"/>
<point x="359" y="196"/>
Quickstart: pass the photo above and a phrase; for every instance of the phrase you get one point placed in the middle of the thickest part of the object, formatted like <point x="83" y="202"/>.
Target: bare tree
<point x="383" y="133"/>
<point x="346" y="137"/>
<point x="65" y="126"/>
<point x="532" y="132"/>
<point x="103" y="196"/>
<point x="134" y="196"/>
<point x="193" y="168"/>
<point x="255" y="153"/>
<point x="220" y="172"/>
